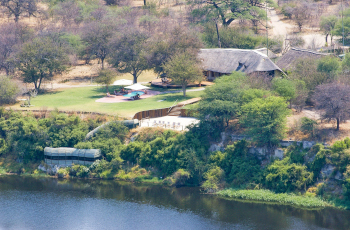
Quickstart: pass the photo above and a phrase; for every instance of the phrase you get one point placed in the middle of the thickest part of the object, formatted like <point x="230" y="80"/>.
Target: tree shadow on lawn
<point x="172" y="98"/>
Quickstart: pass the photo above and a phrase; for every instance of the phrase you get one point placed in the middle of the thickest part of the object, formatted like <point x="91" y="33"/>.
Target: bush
<point x="308" y="125"/>
<point x="213" y="180"/>
<point x="179" y="178"/>
<point x="8" y="90"/>
<point x="282" y="176"/>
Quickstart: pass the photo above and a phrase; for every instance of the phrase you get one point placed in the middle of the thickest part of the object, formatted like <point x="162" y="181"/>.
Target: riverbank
<point x="267" y="196"/>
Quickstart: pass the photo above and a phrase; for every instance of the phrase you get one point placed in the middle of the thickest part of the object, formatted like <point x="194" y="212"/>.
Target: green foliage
<point x="213" y="179"/>
<point x="179" y="178"/>
<point x="183" y="69"/>
<point x="268" y="196"/>
<point x="329" y="65"/>
<point x="230" y="38"/>
<point x="283" y="176"/>
<point x="346" y="63"/>
<point x="239" y="166"/>
<point x="320" y="159"/>
<point x="105" y="77"/>
<point x="265" y="119"/>
<point x="41" y="59"/>
<point x="307" y="125"/>
<point x="295" y="154"/>
<point x="284" y="88"/>
<point x="8" y="90"/>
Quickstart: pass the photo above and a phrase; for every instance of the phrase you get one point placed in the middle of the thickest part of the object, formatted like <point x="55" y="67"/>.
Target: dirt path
<point x="280" y="28"/>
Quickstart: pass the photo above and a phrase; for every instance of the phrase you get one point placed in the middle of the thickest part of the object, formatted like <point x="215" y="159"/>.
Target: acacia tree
<point x="334" y="100"/>
<point x="183" y="69"/>
<point x="40" y="59"/>
<point x="164" y="47"/>
<point x="18" y="8"/>
<point x="327" y="25"/>
<point x="105" y="77"/>
<point x="228" y="11"/>
<point x="96" y="36"/>
<point x="129" y="52"/>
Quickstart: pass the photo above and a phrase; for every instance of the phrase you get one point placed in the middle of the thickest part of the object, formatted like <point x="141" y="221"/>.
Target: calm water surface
<point x="46" y="203"/>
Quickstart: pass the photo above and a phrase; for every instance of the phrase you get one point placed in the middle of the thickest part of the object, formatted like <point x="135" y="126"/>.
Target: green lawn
<point x="83" y="99"/>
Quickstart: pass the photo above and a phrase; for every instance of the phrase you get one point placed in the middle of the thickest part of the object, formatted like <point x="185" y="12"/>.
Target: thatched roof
<point x="230" y="60"/>
<point x="271" y="54"/>
<point x="287" y="61"/>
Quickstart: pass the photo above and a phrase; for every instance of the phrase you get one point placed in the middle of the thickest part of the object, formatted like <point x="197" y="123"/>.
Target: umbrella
<point x="136" y="86"/>
<point x="123" y="82"/>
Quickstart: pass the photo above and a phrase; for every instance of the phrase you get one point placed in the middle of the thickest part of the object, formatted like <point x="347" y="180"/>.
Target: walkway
<point x="169" y="122"/>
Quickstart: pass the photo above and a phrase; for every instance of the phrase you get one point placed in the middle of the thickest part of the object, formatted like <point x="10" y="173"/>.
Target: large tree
<point x="229" y="10"/>
<point x="129" y="51"/>
<point x="40" y="59"/>
<point x="96" y="36"/>
<point x="327" y="25"/>
<point x="334" y="100"/>
<point x="265" y="120"/>
<point x="8" y="90"/>
<point x="164" y="47"/>
<point x="19" y="8"/>
<point x="183" y="69"/>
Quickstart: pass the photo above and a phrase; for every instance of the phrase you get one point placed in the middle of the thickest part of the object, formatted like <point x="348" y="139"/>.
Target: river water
<point x="47" y="203"/>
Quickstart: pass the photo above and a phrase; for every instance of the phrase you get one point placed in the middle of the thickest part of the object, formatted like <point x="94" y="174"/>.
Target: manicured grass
<point x="145" y="76"/>
<point x="271" y="197"/>
<point x="83" y="99"/>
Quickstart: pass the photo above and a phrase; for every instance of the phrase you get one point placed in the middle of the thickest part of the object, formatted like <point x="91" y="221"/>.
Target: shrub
<point x="179" y="178"/>
<point x="308" y="125"/>
<point x="282" y="176"/>
<point x="8" y="90"/>
<point x="213" y="180"/>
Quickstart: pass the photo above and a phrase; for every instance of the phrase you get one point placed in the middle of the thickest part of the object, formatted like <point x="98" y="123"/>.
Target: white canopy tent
<point x="136" y="86"/>
<point x="123" y="82"/>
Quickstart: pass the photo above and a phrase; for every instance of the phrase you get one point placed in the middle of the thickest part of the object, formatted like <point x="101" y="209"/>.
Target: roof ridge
<point x="309" y="51"/>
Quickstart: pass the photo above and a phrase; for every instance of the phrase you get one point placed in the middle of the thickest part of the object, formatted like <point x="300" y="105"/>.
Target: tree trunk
<point x="16" y="18"/>
<point x="327" y="38"/>
<point x="184" y="90"/>
<point x="135" y="78"/>
<point x="102" y="63"/>
<point x="144" y="2"/>
<point x="338" y="121"/>
<point x="106" y="88"/>
<point x="217" y="32"/>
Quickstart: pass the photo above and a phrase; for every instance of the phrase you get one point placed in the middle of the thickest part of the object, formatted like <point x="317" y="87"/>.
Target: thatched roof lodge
<point x="287" y="61"/>
<point x="217" y="62"/>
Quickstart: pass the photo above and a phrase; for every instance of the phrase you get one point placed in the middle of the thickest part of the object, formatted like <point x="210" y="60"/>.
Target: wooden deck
<point x="159" y="83"/>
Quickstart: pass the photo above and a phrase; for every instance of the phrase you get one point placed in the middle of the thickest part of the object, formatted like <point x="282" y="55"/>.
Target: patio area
<point x="169" y="122"/>
<point x="121" y="98"/>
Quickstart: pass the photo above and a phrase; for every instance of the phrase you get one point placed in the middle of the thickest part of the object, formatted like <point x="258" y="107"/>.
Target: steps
<point x="176" y="110"/>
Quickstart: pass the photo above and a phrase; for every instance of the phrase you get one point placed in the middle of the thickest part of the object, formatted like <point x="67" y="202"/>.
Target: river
<point x="47" y="203"/>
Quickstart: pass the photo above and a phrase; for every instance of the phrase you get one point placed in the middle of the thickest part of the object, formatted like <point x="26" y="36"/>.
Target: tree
<point x="19" y="7"/>
<point x="330" y="66"/>
<point x="265" y="120"/>
<point x="346" y="63"/>
<point x="338" y="30"/>
<point x="183" y="69"/>
<point x="8" y="90"/>
<point x="327" y="25"/>
<point x="220" y="102"/>
<point x="96" y="36"/>
<point x="129" y="53"/>
<point x="285" y="88"/>
<point x="40" y="59"/>
<point x="334" y="100"/>
<point x="105" y="77"/>
<point x="306" y="70"/>
<point x="228" y="11"/>
<point x="164" y="47"/>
